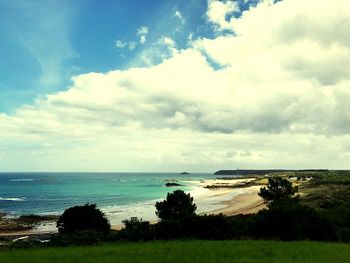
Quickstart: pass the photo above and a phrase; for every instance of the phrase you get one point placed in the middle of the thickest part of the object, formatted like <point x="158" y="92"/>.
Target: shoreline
<point x="246" y="203"/>
<point x="227" y="198"/>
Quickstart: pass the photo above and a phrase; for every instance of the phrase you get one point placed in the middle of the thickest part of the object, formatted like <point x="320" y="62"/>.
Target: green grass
<point x="187" y="251"/>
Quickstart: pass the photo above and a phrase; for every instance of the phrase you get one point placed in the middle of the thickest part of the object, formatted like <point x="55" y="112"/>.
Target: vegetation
<point x="331" y="177"/>
<point x="278" y="190"/>
<point x="178" y="205"/>
<point x="285" y="219"/>
<point x="290" y="220"/>
<point x="135" y="229"/>
<point x="187" y="251"/>
<point x="83" y="218"/>
<point x="329" y="194"/>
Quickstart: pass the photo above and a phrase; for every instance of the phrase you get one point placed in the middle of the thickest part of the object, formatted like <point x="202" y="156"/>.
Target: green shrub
<point x="83" y="218"/>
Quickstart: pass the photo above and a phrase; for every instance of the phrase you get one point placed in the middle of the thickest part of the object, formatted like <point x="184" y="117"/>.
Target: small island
<point x="172" y="184"/>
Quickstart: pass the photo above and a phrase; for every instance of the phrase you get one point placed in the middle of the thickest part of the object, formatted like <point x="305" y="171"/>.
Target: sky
<point x="174" y="85"/>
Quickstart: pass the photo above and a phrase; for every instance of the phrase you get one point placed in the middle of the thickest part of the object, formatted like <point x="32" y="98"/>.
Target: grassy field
<point x="187" y="251"/>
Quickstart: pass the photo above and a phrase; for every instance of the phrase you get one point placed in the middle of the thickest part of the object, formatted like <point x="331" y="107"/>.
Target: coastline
<point x="232" y="201"/>
<point x="228" y="198"/>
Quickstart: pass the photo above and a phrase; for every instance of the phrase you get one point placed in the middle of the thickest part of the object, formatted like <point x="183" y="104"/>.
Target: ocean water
<point x="119" y="195"/>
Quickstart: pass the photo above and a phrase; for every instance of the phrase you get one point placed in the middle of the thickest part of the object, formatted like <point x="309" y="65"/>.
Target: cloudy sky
<point x="175" y="85"/>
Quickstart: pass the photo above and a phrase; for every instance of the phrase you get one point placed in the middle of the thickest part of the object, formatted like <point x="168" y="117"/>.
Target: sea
<point x="118" y="195"/>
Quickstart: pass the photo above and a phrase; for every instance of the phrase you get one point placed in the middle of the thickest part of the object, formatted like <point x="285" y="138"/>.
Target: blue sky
<point x="73" y="37"/>
<point x="44" y="43"/>
<point x="90" y="85"/>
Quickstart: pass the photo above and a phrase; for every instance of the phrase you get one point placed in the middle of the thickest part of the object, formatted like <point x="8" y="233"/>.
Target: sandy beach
<point x="247" y="203"/>
<point x="234" y="201"/>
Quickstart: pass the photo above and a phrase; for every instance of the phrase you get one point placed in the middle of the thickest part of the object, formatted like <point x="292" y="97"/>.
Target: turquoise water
<point x="115" y="193"/>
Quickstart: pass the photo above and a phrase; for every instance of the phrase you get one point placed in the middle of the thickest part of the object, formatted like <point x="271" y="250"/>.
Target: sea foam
<point x="22" y="180"/>
<point x="13" y="199"/>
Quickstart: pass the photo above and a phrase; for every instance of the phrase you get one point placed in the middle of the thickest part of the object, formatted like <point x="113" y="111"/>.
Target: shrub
<point x="79" y="238"/>
<point x="290" y="220"/>
<point x="136" y="229"/>
<point x="83" y="218"/>
<point x="208" y="227"/>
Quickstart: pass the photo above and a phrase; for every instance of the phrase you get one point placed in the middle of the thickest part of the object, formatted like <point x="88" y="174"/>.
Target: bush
<point x="290" y="220"/>
<point x="136" y="229"/>
<point x="83" y="218"/>
<point x="208" y="227"/>
<point x="79" y="238"/>
<point x="178" y="205"/>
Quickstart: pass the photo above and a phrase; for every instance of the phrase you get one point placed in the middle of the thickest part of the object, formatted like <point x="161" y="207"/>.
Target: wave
<point x="13" y="199"/>
<point x="120" y="180"/>
<point x="22" y="180"/>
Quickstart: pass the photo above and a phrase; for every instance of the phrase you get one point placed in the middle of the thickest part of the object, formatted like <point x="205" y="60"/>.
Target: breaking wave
<point x="13" y="199"/>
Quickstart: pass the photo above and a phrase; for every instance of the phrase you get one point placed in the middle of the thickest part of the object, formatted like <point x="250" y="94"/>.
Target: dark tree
<point x="278" y="189"/>
<point x="178" y="205"/>
<point x="136" y="229"/>
<point x="83" y="218"/>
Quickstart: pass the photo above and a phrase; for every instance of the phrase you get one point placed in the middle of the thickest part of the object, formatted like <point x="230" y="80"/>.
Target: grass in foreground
<point x="187" y="251"/>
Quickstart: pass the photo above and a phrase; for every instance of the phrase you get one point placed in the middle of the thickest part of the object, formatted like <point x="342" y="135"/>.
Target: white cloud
<point x="142" y="32"/>
<point x="120" y="44"/>
<point x="219" y="10"/>
<point x="178" y="15"/>
<point x="132" y="45"/>
<point x="280" y="99"/>
<point x="142" y="39"/>
<point x="162" y="49"/>
<point x="168" y="41"/>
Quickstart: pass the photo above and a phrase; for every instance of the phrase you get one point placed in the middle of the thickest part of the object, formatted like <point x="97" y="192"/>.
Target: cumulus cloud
<point x="280" y="99"/>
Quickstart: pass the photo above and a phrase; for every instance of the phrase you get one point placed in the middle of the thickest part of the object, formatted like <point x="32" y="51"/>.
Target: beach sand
<point x="247" y="203"/>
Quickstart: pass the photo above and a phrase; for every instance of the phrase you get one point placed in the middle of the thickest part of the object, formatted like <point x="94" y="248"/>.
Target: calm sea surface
<point x="52" y="193"/>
